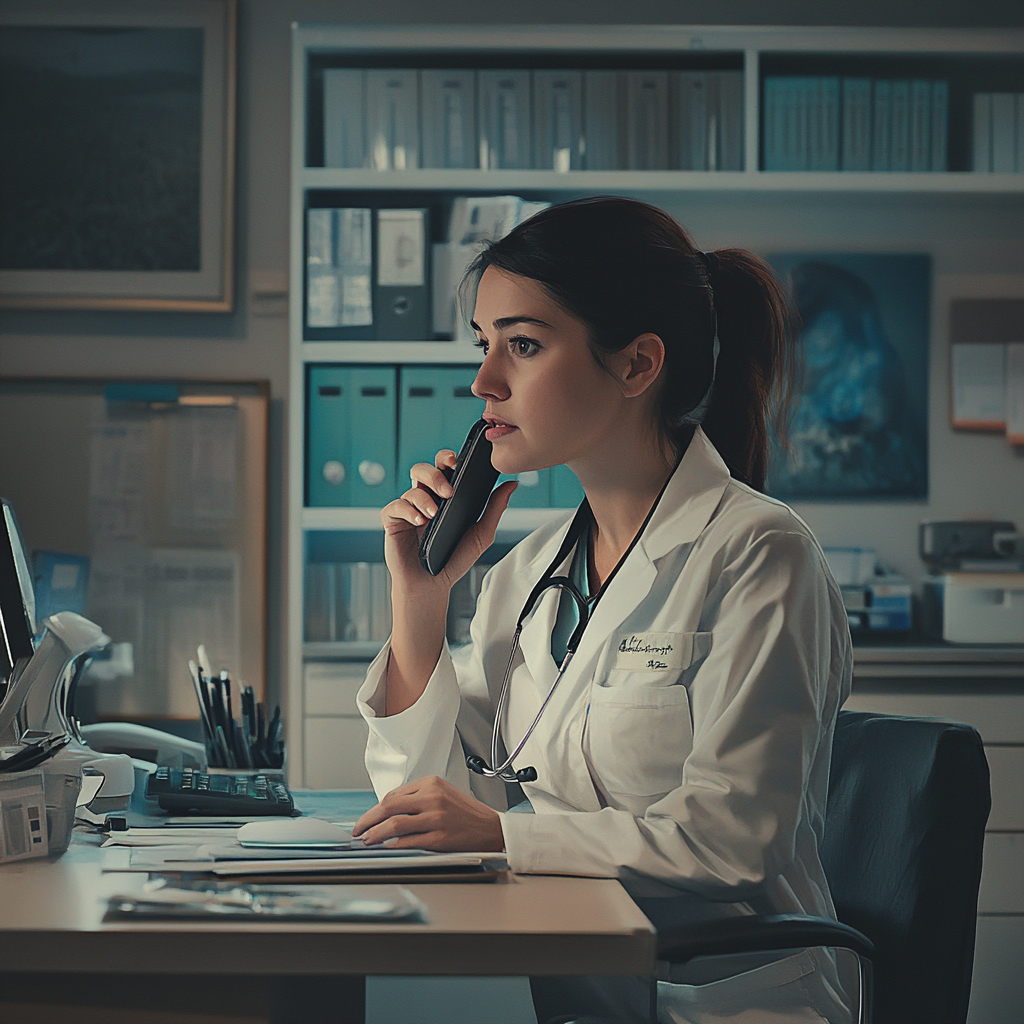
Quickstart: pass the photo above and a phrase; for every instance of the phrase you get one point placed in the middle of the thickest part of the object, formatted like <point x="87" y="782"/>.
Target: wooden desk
<point x="52" y="932"/>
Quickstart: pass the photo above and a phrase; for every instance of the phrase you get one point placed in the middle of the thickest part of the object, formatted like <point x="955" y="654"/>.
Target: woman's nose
<point x="490" y="383"/>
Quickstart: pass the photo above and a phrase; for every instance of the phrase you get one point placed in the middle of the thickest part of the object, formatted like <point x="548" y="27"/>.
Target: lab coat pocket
<point x="638" y="737"/>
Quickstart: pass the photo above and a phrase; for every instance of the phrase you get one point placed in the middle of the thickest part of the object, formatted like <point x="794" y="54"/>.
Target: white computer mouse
<point x="293" y="832"/>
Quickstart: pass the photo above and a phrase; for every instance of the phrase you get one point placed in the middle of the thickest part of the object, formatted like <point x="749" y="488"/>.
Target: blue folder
<point x="351" y="436"/>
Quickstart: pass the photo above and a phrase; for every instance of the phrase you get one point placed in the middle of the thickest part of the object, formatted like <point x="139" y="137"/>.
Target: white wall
<point x="968" y="473"/>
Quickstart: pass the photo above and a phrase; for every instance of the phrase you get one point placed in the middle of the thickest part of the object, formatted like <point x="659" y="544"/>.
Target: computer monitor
<point x="17" y="598"/>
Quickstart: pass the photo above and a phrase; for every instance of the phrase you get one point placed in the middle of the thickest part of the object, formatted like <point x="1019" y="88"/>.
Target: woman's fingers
<point x="431" y="477"/>
<point x="400" y="511"/>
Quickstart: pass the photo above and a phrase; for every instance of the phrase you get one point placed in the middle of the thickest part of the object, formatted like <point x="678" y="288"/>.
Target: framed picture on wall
<point x="859" y="427"/>
<point x="117" y="154"/>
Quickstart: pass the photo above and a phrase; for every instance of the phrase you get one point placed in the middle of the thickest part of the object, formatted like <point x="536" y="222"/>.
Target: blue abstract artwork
<point x="859" y="418"/>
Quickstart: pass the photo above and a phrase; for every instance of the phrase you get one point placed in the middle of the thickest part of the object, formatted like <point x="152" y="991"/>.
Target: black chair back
<point x="905" y="828"/>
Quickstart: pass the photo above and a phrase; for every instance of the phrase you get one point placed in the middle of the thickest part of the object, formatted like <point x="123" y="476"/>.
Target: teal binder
<point x="534" y="490"/>
<point x="350" y="442"/>
<point x="328" y="436"/>
<point x="566" y="490"/>
<point x="374" y="436"/>
<point x="436" y="410"/>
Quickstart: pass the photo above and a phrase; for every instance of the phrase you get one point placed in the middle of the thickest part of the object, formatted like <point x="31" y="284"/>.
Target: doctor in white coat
<point x="685" y="746"/>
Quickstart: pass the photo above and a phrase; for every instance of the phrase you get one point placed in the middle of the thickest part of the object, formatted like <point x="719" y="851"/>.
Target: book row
<point x="828" y="123"/>
<point x="368" y="425"/>
<point x="351" y="601"/>
<point x="547" y="119"/>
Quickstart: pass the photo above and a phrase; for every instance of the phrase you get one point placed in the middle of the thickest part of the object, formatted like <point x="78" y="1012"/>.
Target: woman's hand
<point x="405" y="519"/>
<point x="431" y="814"/>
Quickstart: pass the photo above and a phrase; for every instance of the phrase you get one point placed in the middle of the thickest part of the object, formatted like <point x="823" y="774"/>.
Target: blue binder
<point x="436" y="410"/>
<point x="351" y="436"/>
<point x="534" y="490"/>
<point x="566" y="490"/>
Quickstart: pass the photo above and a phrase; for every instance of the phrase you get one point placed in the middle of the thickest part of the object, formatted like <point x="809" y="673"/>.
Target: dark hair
<point x="625" y="268"/>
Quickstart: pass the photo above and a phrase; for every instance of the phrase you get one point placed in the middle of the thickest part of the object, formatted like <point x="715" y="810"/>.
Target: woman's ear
<point x="639" y="364"/>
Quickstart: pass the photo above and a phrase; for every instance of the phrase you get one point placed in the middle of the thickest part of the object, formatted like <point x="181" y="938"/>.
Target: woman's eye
<point x="523" y="346"/>
<point x="481" y="344"/>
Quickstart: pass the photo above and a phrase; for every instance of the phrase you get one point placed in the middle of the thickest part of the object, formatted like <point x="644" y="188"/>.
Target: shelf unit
<point x="752" y="48"/>
<point x="325" y="705"/>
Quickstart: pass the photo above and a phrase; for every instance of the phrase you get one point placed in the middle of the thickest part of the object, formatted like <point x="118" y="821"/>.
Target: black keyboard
<point x="186" y="791"/>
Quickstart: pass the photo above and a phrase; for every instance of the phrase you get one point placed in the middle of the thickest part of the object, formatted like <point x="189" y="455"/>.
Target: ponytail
<point x="757" y="364"/>
<point x="625" y="268"/>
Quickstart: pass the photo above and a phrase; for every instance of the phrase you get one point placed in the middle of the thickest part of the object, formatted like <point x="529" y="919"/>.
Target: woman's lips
<point x="499" y="430"/>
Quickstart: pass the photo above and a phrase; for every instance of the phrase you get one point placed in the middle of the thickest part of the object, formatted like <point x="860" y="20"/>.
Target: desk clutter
<point x="315" y="848"/>
<point x="165" y="897"/>
<point x="254" y="742"/>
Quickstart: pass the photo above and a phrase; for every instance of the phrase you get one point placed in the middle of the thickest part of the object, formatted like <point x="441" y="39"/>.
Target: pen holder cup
<point x="61" y="791"/>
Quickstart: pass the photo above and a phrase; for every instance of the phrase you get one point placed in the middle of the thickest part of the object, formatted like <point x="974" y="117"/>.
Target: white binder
<point x="392" y="120"/>
<point x="690" y="103"/>
<point x="604" y="120"/>
<point x="647" y="120"/>
<point x="729" y="156"/>
<point x="504" y="120"/>
<point x="448" y="124"/>
<point x="321" y="273"/>
<point x="558" y="120"/>
<point x="344" y="117"/>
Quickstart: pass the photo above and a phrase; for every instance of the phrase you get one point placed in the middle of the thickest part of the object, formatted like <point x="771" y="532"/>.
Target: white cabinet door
<point x="1006" y="765"/>
<point x="997" y="991"/>
<point x="331" y="686"/>
<point x="334" y="753"/>
<point x="1002" y="875"/>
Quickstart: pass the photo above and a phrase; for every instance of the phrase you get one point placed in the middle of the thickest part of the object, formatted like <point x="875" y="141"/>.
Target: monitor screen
<point x="17" y="598"/>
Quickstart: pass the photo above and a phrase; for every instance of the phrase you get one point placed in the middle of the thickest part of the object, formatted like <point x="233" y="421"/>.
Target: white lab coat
<point x="701" y="785"/>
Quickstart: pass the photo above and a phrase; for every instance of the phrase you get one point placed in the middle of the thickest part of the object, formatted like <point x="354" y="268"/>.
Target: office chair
<point x="908" y="799"/>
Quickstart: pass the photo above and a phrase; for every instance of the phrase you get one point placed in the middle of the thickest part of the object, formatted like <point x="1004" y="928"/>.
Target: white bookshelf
<point x="641" y="182"/>
<point x="878" y="191"/>
<point x="804" y="200"/>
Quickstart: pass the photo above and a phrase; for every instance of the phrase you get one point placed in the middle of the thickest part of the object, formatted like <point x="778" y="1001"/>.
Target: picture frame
<point x="859" y="423"/>
<point x="117" y="172"/>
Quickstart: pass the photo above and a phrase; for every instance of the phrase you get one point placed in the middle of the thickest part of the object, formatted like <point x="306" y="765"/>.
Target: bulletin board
<point x="157" y="492"/>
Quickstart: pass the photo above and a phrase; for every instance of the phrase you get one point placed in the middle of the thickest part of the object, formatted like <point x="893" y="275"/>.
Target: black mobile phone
<point x="473" y="480"/>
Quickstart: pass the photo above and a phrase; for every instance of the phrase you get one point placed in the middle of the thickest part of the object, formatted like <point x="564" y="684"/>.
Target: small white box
<point x="982" y="607"/>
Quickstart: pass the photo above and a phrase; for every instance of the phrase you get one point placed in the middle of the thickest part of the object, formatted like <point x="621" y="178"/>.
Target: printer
<point x="974" y="592"/>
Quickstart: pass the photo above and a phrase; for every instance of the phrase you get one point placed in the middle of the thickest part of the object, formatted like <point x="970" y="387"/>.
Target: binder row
<point x="998" y="132"/>
<point x="554" y="120"/>
<point x="347" y="601"/>
<point x="351" y="601"/>
<point x="368" y="425"/>
<point x="814" y="123"/>
<point x="367" y="270"/>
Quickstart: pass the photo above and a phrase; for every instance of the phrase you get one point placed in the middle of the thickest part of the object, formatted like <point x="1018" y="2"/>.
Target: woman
<point x="685" y="749"/>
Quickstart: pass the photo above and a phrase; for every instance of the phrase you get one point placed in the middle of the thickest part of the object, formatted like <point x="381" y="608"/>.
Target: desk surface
<point x="51" y="919"/>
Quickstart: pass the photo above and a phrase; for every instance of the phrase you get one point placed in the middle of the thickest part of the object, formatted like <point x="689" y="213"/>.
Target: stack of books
<point x="814" y="123"/>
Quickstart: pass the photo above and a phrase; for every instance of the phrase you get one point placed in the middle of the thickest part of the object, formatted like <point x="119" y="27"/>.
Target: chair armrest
<point x="758" y="934"/>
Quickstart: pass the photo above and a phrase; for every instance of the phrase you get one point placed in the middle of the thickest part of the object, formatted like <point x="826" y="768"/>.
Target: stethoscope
<point x="584" y="607"/>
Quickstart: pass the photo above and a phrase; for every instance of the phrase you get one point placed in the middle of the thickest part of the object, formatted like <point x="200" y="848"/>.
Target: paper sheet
<point x="1015" y="392"/>
<point x="979" y="386"/>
